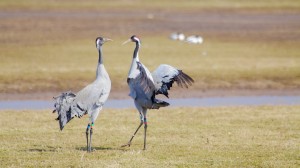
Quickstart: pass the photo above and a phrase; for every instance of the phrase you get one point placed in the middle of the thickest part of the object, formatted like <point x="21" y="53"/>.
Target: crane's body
<point x="196" y="39"/>
<point x="144" y="86"/>
<point x="177" y="36"/>
<point x="92" y="97"/>
<point x="89" y="100"/>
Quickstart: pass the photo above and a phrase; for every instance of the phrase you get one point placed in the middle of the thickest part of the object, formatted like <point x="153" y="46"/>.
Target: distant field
<point x="49" y="46"/>
<point x="178" y="4"/>
<point x="215" y="64"/>
<point x="266" y="136"/>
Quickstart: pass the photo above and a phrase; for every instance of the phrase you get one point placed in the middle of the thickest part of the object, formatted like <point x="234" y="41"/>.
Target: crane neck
<point x="100" y="63"/>
<point x="100" y="60"/>
<point x="133" y="67"/>
<point x="136" y="50"/>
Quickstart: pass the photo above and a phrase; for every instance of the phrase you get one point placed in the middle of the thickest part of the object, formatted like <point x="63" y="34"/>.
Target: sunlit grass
<point x="266" y="136"/>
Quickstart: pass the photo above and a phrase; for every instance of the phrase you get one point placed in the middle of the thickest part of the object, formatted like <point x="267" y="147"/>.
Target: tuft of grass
<point x="264" y="136"/>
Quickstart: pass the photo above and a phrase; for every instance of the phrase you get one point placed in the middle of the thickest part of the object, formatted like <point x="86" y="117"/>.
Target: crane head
<point x="133" y="38"/>
<point x="101" y="40"/>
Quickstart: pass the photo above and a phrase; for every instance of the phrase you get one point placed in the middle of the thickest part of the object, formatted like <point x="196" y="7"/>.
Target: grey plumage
<point x="164" y="77"/>
<point x="63" y="107"/>
<point x="144" y="85"/>
<point x="89" y="100"/>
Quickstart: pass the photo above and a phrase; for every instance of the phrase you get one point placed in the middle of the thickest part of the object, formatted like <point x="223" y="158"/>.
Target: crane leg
<point x="145" y="135"/>
<point x="129" y="142"/>
<point x="91" y="133"/>
<point x="87" y="136"/>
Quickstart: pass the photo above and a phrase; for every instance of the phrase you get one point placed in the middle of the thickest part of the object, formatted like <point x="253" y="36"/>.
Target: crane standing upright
<point x="89" y="100"/>
<point x="144" y="86"/>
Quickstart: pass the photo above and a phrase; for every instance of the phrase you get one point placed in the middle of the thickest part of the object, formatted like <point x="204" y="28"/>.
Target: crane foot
<point x="128" y="144"/>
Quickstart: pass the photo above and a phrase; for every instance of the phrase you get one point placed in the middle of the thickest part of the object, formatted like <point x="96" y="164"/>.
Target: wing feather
<point x="164" y="77"/>
<point x="142" y="83"/>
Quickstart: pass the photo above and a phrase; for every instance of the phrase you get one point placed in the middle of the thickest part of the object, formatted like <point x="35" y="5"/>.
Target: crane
<point x="89" y="100"/>
<point x="195" y="39"/>
<point x="144" y="86"/>
<point x="177" y="36"/>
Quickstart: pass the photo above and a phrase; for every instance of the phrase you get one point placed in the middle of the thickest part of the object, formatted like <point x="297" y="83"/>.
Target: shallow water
<point x="186" y="102"/>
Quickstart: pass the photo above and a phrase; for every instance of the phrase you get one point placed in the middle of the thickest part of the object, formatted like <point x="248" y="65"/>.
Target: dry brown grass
<point x="266" y="136"/>
<point x="214" y="65"/>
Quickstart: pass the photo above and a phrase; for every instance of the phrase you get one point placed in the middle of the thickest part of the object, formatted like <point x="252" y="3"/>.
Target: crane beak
<point x="126" y="41"/>
<point x="107" y="39"/>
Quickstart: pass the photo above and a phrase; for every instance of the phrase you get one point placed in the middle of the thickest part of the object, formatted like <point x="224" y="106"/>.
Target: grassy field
<point x="49" y="47"/>
<point x="265" y="136"/>
<point x="215" y="64"/>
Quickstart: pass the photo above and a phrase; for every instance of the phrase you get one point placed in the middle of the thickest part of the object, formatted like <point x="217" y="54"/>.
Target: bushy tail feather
<point x="159" y="103"/>
<point x="62" y="106"/>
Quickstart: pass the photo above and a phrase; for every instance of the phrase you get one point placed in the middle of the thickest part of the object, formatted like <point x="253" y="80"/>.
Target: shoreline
<point x="178" y="93"/>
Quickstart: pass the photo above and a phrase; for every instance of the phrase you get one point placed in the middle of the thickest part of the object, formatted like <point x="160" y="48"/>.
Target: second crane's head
<point x="133" y="38"/>
<point x="101" y="40"/>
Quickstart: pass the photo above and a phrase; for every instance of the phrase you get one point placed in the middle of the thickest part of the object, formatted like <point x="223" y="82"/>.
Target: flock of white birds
<point x="194" y="39"/>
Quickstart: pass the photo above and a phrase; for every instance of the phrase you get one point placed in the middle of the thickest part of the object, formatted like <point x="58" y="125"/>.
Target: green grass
<point x="215" y="64"/>
<point x="265" y="136"/>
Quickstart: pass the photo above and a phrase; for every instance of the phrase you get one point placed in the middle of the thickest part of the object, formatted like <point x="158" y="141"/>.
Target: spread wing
<point x="142" y="83"/>
<point x="165" y="75"/>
